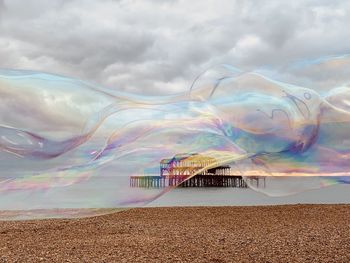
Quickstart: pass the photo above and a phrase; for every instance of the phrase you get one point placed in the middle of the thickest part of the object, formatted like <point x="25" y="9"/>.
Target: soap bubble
<point x="69" y="148"/>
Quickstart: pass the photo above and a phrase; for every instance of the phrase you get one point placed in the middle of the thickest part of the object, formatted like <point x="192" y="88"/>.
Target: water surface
<point x="335" y="194"/>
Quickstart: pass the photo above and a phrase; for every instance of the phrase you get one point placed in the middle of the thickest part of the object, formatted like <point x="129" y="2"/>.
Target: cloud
<point x="159" y="47"/>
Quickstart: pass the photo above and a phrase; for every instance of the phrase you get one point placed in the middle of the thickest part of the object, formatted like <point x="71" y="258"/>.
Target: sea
<point x="335" y="194"/>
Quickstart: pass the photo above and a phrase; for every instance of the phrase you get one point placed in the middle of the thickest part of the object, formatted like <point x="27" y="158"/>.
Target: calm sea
<point x="242" y="197"/>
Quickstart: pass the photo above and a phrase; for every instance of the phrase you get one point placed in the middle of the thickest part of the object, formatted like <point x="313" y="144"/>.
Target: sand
<point x="293" y="233"/>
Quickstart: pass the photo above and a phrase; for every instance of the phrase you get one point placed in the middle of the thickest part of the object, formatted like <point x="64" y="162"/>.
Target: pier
<point x="179" y="171"/>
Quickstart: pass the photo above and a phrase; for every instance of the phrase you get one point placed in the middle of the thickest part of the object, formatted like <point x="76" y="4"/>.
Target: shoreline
<point x="273" y="233"/>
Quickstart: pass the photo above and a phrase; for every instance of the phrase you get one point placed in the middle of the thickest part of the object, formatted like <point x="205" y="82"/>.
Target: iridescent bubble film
<point x="69" y="148"/>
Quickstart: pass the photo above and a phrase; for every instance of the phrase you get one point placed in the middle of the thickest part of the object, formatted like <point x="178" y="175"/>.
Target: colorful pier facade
<point x="179" y="171"/>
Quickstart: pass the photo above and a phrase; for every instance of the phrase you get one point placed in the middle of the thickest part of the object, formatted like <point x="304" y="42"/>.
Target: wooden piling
<point x="195" y="181"/>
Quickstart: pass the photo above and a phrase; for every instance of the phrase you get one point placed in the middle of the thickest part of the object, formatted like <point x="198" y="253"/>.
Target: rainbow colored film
<point x="69" y="148"/>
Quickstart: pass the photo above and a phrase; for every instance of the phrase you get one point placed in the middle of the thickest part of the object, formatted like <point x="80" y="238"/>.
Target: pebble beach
<point x="286" y="233"/>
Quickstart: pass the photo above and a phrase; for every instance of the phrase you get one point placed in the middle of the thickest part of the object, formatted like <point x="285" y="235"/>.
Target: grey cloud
<point x="159" y="47"/>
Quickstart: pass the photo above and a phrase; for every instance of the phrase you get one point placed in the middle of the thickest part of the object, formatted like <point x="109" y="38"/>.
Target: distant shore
<point x="290" y="233"/>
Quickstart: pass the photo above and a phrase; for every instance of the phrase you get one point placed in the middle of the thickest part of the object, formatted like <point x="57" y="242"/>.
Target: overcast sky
<point x="159" y="47"/>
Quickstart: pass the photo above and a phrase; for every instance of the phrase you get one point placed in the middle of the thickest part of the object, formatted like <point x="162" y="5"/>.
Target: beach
<point x="281" y="233"/>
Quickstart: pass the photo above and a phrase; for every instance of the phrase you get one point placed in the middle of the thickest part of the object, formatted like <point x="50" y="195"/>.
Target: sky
<point x="159" y="47"/>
